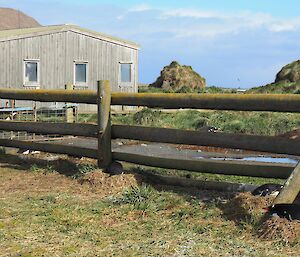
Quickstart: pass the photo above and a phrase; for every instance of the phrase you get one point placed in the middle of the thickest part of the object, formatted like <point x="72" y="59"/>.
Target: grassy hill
<point x="281" y="87"/>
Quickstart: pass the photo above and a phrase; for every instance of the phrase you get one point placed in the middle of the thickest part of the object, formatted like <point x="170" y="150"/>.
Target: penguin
<point x="267" y="189"/>
<point x="284" y="210"/>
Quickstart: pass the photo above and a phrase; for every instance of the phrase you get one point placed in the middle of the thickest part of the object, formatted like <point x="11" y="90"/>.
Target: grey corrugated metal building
<point x="49" y="57"/>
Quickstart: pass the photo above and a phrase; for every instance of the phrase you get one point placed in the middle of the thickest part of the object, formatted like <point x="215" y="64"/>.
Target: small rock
<point x="115" y="168"/>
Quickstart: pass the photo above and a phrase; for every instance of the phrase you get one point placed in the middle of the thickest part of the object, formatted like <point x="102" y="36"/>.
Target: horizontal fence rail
<point x="85" y="130"/>
<point x="238" y="168"/>
<point x="41" y="95"/>
<point x="103" y="132"/>
<point x="237" y="102"/>
<point x="51" y="148"/>
<point x="218" y="139"/>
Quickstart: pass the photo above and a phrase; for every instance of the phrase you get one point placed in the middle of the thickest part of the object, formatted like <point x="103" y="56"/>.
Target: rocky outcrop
<point x="175" y="77"/>
<point x="14" y="19"/>
<point x="290" y="72"/>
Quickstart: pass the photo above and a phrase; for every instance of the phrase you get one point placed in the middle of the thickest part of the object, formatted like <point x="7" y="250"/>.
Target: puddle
<point x="257" y="159"/>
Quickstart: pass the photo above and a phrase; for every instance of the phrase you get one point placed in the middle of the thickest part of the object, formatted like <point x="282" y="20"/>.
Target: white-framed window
<point x="81" y="74"/>
<point x="31" y="74"/>
<point x="126" y="73"/>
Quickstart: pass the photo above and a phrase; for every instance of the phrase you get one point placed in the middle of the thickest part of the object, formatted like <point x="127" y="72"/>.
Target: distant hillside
<point x="287" y="81"/>
<point x="290" y="72"/>
<point x="282" y="87"/>
<point x="13" y="19"/>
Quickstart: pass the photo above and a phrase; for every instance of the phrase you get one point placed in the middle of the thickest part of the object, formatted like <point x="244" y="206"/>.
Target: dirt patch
<point x="103" y="184"/>
<point x="280" y="229"/>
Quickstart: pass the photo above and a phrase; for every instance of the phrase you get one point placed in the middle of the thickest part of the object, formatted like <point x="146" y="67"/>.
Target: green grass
<point x="282" y="87"/>
<point x="184" y="89"/>
<point x="258" y="123"/>
<point x="34" y="168"/>
<point x="168" y="224"/>
<point x="49" y="214"/>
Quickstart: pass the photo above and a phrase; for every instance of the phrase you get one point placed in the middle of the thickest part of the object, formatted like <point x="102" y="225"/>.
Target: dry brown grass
<point x="103" y="184"/>
<point x="47" y="213"/>
<point x="280" y="229"/>
<point x="247" y="207"/>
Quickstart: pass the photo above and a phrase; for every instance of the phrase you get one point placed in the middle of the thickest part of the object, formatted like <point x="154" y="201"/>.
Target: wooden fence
<point x="104" y="132"/>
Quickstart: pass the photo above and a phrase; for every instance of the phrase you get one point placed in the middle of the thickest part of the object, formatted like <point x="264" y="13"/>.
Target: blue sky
<point x="232" y="43"/>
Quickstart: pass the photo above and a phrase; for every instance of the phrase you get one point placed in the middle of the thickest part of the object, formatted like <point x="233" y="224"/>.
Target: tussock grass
<point x="258" y="123"/>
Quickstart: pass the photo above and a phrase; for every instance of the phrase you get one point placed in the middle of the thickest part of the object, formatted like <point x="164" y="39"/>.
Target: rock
<point x="115" y="168"/>
<point x="179" y="78"/>
<point x="290" y="72"/>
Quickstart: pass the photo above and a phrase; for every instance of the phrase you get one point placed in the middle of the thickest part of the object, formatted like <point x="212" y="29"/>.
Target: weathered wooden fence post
<point x="104" y="124"/>
<point x="69" y="109"/>
<point x="291" y="188"/>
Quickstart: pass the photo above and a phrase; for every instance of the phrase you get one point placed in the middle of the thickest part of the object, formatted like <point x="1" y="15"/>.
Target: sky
<point x="232" y="43"/>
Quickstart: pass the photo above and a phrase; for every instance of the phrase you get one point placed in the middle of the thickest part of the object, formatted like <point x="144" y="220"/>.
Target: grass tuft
<point x="138" y="197"/>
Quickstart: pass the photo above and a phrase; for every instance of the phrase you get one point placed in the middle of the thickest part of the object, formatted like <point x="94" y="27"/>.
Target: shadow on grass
<point x="25" y="163"/>
<point x="189" y="189"/>
<point x="209" y="192"/>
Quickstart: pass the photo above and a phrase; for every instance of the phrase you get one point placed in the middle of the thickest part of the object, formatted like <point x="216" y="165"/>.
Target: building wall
<point x="57" y="53"/>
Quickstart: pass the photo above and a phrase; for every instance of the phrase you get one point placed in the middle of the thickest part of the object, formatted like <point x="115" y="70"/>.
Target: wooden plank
<point x="224" y="140"/>
<point x="238" y="168"/>
<point x="75" y="129"/>
<point x="50" y="147"/>
<point x="42" y="95"/>
<point x="104" y="124"/>
<point x="237" y="102"/>
<point x="196" y="183"/>
<point x="291" y="188"/>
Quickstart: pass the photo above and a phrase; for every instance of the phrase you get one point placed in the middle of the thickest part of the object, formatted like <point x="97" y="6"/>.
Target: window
<point x="126" y="71"/>
<point x="31" y="72"/>
<point x="80" y="73"/>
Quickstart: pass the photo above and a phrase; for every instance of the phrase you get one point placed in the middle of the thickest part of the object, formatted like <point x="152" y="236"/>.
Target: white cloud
<point x="140" y="8"/>
<point x="189" y="13"/>
<point x="197" y="23"/>
<point x="285" y="25"/>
